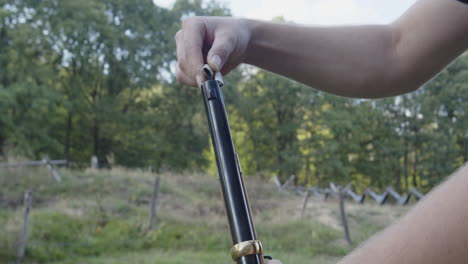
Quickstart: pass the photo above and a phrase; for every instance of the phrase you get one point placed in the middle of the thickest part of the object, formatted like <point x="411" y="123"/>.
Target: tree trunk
<point x="398" y="183"/>
<point x="66" y="151"/>
<point x="397" y="170"/>
<point x="307" y="170"/>
<point x="257" y="164"/>
<point x="405" y="164"/>
<point x="281" y="173"/>
<point x="4" y="44"/>
<point x="96" y="146"/>
<point x="465" y="154"/>
<point x="415" y="169"/>
<point x="2" y="139"/>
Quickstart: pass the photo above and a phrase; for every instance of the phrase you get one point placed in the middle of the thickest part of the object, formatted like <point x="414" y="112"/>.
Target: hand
<point x="219" y="41"/>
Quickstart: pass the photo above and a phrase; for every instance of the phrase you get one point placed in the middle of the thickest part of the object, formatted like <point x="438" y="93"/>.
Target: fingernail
<point x="216" y="61"/>
<point x="199" y="80"/>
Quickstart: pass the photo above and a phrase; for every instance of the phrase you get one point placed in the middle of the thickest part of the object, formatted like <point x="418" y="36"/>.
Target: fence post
<point x="277" y="182"/>
<point x="304" y="206"/>
<point x="94" y="162"/>
<point x="286" y="183"/>
<point x="401" y="199"/>
<point x="416" y="193"/>
<point x="344" y="220"/>
<point x="52" y="169"/>
<point x="24" y="232"/>
<point x="380" y="199"/>
<point x="154" y="203"/>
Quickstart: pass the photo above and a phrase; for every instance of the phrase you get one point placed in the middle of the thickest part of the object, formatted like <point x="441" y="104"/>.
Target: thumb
<point x="220" y="51"/>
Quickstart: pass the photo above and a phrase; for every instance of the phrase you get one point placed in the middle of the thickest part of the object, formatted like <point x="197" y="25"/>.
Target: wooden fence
<point x="324" y="193"/>
<point x="50" y="164"/>
<point x="341" y="193"/>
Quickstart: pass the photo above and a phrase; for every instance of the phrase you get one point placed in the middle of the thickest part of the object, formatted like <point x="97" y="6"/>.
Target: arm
<point x="434" y="232"/>
<point x="357" y="61"/>
<point x="366" y="61"/>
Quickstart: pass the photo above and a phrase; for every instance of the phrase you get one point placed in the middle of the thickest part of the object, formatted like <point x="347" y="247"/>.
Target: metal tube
<point x="232" y="185"/>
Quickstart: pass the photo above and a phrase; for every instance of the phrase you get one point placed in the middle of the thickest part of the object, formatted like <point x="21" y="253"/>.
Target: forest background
<point x="88" y="77"/>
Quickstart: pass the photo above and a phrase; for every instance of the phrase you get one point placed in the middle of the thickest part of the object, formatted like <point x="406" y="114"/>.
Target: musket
<point x="246" y="248"/>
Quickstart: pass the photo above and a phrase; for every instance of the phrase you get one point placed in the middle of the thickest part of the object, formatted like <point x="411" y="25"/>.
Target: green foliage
<point x="83" y="78"/>
<point x="74" y="90"/>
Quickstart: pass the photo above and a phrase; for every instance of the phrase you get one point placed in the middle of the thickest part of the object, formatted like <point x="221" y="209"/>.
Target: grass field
<point x="102" y="217"/>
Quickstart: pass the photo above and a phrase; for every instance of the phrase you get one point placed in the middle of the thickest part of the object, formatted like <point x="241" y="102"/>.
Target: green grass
<point x="56" y="236"/>
<point x="187" y="256"/>
<point x="102" y="217"/>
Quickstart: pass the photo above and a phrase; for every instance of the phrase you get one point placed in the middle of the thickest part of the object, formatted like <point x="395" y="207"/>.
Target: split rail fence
<point x="341" y="193"/>
<point x="44" y="162"/>
<point x="325" y="193"/>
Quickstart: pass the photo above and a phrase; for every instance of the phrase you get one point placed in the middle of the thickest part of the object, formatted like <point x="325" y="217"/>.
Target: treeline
<point x="83" y="78"/>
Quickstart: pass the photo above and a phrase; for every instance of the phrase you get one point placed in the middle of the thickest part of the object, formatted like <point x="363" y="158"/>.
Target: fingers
<point x="189" y="42"/>
<point x="183" y="78"/>
<point x="222" y="48"/>
<point x="220" y="42"/>
<point x="181" y="75"/>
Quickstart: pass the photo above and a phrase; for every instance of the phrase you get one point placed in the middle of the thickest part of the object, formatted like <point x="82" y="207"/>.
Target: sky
<point x="317" y="12"/>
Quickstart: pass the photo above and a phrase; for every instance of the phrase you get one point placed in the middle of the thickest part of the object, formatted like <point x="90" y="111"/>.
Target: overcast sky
<point x="317" y="12"/>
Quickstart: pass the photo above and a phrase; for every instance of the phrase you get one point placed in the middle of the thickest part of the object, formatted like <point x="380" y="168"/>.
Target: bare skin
<point x="356" y="61"/>
<point x="433" y="232"/>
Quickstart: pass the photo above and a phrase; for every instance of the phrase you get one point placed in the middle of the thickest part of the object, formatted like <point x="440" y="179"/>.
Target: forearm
<point x="433" y="232"/>
<point x="353" y="61"/>
<point x="365" y="61"/>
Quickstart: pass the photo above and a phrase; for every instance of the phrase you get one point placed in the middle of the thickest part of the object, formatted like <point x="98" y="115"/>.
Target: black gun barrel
<point x="230" y="176"/>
